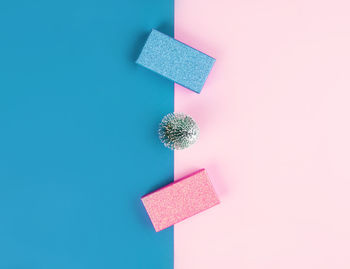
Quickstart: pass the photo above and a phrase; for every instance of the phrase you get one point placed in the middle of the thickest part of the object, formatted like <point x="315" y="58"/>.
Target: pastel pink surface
<point x="274" y="119"/>
<point x="180" y="200"/>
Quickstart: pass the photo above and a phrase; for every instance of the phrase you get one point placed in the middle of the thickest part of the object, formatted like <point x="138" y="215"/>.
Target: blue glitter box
<point x="176" y="61"/>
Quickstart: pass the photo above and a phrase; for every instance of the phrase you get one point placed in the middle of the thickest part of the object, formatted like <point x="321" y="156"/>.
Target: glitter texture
<point x="176" y="61"/>
<point x="178" y="131"/>
<point x="180" y="200"/>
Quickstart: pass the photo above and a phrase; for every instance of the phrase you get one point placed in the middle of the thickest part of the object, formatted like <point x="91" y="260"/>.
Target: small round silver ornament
<point x="178" y="131"/>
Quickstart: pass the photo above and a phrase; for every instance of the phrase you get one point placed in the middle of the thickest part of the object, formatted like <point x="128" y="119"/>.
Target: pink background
<point x="275" y="135"/>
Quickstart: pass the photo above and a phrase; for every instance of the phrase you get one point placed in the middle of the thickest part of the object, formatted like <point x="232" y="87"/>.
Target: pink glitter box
<point x="180" y="200"/>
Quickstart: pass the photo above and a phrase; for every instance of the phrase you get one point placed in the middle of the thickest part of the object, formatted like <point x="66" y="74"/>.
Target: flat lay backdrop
<point x="78" y="135"/>
<point x="78" y="141"/>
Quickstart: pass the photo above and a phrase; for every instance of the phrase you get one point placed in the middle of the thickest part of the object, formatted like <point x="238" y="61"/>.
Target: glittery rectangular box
<point x="180" y="200"/>
<point x="176" y="61"/>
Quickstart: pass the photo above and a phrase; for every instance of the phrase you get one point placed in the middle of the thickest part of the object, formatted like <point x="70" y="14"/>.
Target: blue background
<point x="78" y="135"/>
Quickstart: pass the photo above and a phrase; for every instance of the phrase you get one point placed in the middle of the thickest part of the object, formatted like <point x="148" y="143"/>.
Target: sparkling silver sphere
<point x="178" y="131"/>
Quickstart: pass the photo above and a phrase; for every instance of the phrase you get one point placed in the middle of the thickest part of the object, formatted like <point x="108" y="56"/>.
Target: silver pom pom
<point x="178" y="131"/>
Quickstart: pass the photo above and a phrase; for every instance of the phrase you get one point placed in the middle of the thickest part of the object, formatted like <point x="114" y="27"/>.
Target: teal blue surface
<point x="78" y="135"/>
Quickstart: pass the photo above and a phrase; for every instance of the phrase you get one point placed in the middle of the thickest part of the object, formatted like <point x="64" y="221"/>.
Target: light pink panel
<point x="275" y="134"/>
